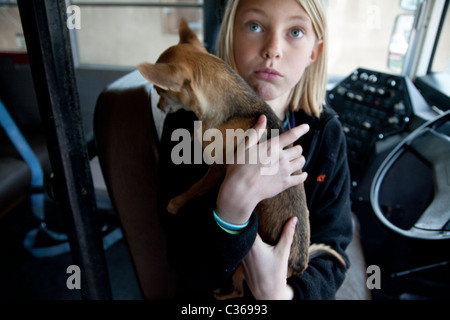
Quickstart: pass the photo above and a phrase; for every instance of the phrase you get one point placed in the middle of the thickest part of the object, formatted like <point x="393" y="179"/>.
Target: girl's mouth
<point x="268" y="74"/>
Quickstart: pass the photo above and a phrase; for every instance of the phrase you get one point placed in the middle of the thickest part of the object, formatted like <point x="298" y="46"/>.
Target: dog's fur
<point x="187" y="76"/>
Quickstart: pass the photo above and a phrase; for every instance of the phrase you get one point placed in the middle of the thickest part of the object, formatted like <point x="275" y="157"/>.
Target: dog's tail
<point x="321" y="249"/>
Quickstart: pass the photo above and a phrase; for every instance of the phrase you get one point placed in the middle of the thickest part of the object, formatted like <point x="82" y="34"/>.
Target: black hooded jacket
<point x="205" y="257"/>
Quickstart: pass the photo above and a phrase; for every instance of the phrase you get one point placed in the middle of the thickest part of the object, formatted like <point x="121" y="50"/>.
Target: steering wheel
<point x="431" y="142"/>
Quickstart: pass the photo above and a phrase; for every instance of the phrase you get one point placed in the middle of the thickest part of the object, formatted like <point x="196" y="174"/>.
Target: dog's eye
<point x="254" y="27"/>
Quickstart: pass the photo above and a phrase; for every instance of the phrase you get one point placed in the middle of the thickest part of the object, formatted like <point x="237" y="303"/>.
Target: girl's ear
<point x="317" y="51"/>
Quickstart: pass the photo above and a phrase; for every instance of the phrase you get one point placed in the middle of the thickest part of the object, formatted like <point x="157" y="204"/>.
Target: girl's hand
<point x="265" y="267"/>
<point x="245" y="185"/>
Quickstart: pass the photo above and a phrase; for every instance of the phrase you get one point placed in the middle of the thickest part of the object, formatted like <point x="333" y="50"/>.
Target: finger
<point x="297" y="179"/>
<point x="287" y="236"/>
<point x="293" y="135"/>
<point x="298" y="164"/>
<point x="255" y="133"/>
<point x="293" y="153"/>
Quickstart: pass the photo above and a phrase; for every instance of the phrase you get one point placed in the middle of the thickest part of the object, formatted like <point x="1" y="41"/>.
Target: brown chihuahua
<point x="187" y="76"/>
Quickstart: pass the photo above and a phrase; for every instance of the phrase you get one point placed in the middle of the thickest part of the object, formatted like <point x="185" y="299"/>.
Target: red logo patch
<point x="321" y="178"/>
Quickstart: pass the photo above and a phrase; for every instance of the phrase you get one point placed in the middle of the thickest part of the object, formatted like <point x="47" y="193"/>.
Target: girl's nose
<point x="272" y="48"/>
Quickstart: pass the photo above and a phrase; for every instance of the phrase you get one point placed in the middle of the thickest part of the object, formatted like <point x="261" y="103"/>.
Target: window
<point x="434" y="86"/>
<point x="121" y="34"/>
<point x="116" y="33"/>
<point x="11" y="35"/>
<point x="372" y="34"/>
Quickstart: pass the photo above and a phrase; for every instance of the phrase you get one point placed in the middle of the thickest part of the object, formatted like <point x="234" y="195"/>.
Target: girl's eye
<point x="296" y="33"/>
<point x="254" y="27"/>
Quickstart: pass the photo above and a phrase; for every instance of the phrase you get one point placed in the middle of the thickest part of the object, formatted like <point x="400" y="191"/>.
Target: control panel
<point x="371" y="106"/>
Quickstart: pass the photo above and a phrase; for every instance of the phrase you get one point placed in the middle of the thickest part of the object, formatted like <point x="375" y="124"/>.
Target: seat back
<point x="127" y="143"/>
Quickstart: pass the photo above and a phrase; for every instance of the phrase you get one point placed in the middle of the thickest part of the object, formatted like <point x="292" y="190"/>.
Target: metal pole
<point x="48" y="45"/>
<point x="129" y="3"/>
<point x="213" y="11"/>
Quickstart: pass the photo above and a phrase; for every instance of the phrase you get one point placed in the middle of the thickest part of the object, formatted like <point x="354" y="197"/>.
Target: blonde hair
<point x="309" y="93"/>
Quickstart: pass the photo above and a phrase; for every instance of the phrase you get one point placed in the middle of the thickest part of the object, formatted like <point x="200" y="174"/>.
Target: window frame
<point x="119" y="3"/>
<point x="434" y="86"/>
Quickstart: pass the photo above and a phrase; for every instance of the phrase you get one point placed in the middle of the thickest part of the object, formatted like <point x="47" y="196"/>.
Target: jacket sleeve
<point x="328" y="193"/>
<point x="202" y="254"/>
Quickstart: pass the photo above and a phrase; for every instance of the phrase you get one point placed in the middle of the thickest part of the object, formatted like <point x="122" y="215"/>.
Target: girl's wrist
<point x="229" y="227"/>
<point x="232" y="214"/>
<point x="233" y="206"/>
<point x="286" y="293"/>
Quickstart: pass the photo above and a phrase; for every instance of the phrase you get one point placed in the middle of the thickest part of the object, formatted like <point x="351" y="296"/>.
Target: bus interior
<point x="65" y="64"/>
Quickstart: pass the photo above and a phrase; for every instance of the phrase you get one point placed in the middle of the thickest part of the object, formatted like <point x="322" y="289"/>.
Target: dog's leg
<point x="207" y="182"/>
<point x="316" y="250"/>
<point x="237" y="286"/>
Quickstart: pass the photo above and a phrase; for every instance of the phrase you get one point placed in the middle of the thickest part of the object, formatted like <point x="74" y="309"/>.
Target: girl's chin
<point x="266" y="91"/>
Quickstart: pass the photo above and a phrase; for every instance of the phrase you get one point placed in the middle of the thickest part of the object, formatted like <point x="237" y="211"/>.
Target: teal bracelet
<point x="229" y="226"/>
<point x="230" y="231"/>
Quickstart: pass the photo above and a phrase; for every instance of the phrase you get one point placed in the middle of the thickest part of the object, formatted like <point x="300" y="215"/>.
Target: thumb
<point x="287" y="236"/>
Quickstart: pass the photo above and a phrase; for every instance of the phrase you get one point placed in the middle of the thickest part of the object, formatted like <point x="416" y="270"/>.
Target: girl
<point x="279" y="48"/>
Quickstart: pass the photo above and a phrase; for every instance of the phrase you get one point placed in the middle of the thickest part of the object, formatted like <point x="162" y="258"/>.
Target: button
<point x="381" y="91"/>
<point x="392" y="83"/>
<point x="367" y="125"/>
<point x="341" y="90"/>
<point x="364" y="76"/>
<point x="399" y="107"/>
<point x="371" y="89"/>
<point x="350" y="95"/>
<point x="346" y="129"/>
<point x="393" y="120"/>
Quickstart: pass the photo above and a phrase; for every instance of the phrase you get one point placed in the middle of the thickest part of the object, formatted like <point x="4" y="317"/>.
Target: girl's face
<point x="274" y="42"/>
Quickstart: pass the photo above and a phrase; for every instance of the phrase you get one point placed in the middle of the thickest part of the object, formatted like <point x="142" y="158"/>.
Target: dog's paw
<point x="173" y="207"/>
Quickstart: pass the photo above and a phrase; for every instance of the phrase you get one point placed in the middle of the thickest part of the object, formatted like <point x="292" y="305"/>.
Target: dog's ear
<point x="168" y="76"/>
<point x="189" y="36"/>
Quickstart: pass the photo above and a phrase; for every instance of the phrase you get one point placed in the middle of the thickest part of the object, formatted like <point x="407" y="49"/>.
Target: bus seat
<point x="18" y="97"/>
<point x="15" y="174"/>
<point x="127" y="145"/>
<point x="126" y="130"/>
